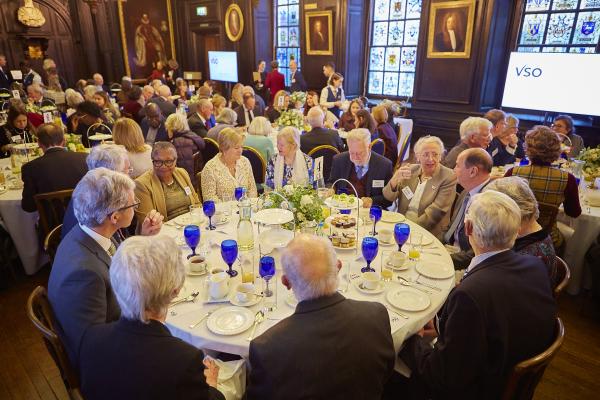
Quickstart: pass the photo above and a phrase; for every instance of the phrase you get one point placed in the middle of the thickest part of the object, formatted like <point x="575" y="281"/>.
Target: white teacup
<point x="218" y="285"/>
<point x="245" y="292"/>
<point x="385" y="235"/>
<point x="216" y="271"/>
<point x="197" y="264"/>
<point x="370" y="280"/>
<point x="397" y="259"/>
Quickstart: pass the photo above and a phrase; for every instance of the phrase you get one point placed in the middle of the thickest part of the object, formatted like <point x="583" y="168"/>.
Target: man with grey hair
<point x="148" y="92"/>
<point x="163" y="101"/>
<point x="200" y="121"/>
<point x="99" y="83"/>
<point x="339" y="348"/>
<point x="226" y="119"/>
<point x="79" y="288"/>
<point x="474" y="132"/>
<point x="319" y="135"/>
<point x="501" y="313"/>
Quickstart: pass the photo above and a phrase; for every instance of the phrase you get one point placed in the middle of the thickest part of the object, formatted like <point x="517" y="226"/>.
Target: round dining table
<point x="183" y="316"/>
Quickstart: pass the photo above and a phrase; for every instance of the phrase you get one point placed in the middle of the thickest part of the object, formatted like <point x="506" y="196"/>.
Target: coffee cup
<point x="370" y="280"/>
<point x="385" y="235"/>
<point x="218" y="285"/>
<point x="397" y="259"/>
<point x="245" y="292"/>
<point x="216" y="271"/>
<point x="197" y="264"/>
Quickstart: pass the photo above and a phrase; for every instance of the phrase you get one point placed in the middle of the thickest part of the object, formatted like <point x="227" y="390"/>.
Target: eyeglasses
<point x="160" y="163"/>
<point x="135" y="205"/>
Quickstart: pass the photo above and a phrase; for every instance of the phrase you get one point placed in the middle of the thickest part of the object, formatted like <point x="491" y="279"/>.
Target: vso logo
<point x="526" y="71"/>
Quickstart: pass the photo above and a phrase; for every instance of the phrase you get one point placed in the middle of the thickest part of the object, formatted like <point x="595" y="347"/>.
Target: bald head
<point x="164" y="91"/>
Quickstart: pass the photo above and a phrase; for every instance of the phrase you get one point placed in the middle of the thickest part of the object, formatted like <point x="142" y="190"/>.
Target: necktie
<point x="249" y="116"/>
<point x="112" y="249"/>
<point x="207" y="124"/>
<point x="360" y="171"/>
<point x="458" y="221"/>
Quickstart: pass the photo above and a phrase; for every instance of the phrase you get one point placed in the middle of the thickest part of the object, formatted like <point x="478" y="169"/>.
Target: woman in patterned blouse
<point x="290" y="165"/>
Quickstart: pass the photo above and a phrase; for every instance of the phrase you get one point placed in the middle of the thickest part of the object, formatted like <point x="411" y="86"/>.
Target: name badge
<point x="408" y="193"/>
<point x="187" y="191"/>
<point x="494" y="152"/>
<point x="378" y="183"/>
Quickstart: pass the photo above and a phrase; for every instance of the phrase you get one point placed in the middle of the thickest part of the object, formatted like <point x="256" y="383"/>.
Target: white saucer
<point x="383" y="243"/>
<point x="200" y="273"/>
<point x="358" y="284"/>
<point x="234" y="300"/>
<point x="403" y="267"/>
<point x="408" y="299"/>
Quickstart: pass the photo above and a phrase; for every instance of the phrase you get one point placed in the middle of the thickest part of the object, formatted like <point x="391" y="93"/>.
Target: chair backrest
<point x="52" y="240"/>
<point x="526" y="375"/>
<point x="259" y="165"/>
<point x="199" y="188"/>
<point x="41" y="315"/>
<point x="378" y="146"/>
<point x="403" y="148"/>
<point x="563" y="275"/>
<point x="52" y="206"/>
<point x="211" y="149"/>
<point x="327" y="152"/>
<point x="198" y="162"/>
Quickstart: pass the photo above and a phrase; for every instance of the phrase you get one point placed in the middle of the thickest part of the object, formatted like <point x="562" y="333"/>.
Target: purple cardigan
<point x="187" y="143"/>
<point x="388" y="135"/>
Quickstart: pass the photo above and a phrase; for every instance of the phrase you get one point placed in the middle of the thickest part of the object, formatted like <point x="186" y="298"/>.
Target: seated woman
<point x="424" y="191"/>
<point x="236" y="96"/>
<point x="386" y="133"/>
<point x="146" y="274"/>
<point x="128" y="133"/>
<point x="312" y="99"/>
<point x="563" y="125"/>
<point x="348" y="121"/>
<point x="227" y="118"/>
<point x="186" y="142"/>
<point x="228" y="169"/>
<point x="532" y="238"/>
<point x="110" y="112"/>
<point x="365" y="120"/>
<point x="219" y="103"/>
<point x="278" y="106"/>
<point x="17" y="129"/>
<point x="290" y="165"/>
<point x="166" y="188"/>
<point x="258" y="137"/>
<point x="135" y="103"/>
<point x="551" y="186"/>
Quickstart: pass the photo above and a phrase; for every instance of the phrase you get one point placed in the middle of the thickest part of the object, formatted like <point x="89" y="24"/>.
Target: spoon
<point x="404" y="282"/>
<point x="191" y="297"/>
<point x="258" y="318"/>
<point x="195" y="324"/>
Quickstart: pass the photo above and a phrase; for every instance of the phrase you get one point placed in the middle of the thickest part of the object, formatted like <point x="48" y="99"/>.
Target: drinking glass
<point x="247" y="267"/>
<point x="415" y="243"/>
<point x="229" y="252"/>
<point x="387" y="273"/>
<point x="239" y="192"/>
<point x="375" y="213"/>
<point x="401" y="234"/>
<point x="192" y="237"/>
<point x="196" y="214"/>
<point x="370" y="245"/>
<point x="266" y="269"/>
<point x="226" y="205"/>
<point x="209" y="209"/>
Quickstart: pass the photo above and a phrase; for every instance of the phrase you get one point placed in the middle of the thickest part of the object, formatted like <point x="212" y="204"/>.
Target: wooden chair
<point x="52" y="240"/>
<point x="327" y="152"/>
<point x="211" y="149"/>
<point x="259" y="165"/>
<point x="404" y="148"/>
<point x="52" y="206"/>
<point x="378" y="146"/>
<point x="526" y="375"/>
<point x="41" y="315"/>
<point x="563" y="275"/>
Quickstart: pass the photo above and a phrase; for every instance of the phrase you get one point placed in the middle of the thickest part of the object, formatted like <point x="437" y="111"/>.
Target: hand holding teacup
<point x="401" y="173"/>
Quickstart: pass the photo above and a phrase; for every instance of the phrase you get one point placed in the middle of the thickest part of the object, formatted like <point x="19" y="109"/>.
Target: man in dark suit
<point x="366" y="170"/>
<point x="319" y="135"/>
<point x="247" y="111"/>
<point x="5" y="76"/>
<point x="163" y="102"/>
<point x="298" y="84"/>
<point x="501" y="313"/>
<point x="260" y="104"/>
<point x="200" y="121"/>
<point x="57" y="169"/>
<point x="153" y="125"/>
<point x="79" y="288"/>
<point x="308" y="355"/>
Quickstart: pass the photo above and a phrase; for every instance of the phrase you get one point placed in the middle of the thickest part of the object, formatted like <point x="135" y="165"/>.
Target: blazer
<point x="330" y="348"/>
<point x="436" y="201"/>
<point x="130" y="359"/>
<point x="197" y="126"/>
<point x="241" y="116"/>
<point x="298" y="84"/>
<point x="380" y="168"/>
<point x="5" y="78"/>
<point x="275" y="82"/>
<point x="319" y="136"/>
<point x="500" y="314"/>
<point x="161" y="133"/>
<point x="79" y="289"/>
<point x="149" y="191"/>
<point x="57" y="169"/>
<point x="187" y="144"/>
<point x="166" y="107"/>
<point x="450" y="159"/>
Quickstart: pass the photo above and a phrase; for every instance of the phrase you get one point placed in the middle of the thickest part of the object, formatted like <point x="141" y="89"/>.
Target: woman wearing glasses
<point x="166" y="188"/>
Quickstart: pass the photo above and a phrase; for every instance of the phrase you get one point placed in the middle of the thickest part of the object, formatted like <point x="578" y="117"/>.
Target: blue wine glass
<point x="239" y="192"/>
<point x="401" y="234"/>
<point x="192" y="237"/>
<point x="229" y="252"/>
<point x="375" y="213"/>
<point x="209" y="210"/>
<point x="266" y="269"/>
<point x="370" y="245"/>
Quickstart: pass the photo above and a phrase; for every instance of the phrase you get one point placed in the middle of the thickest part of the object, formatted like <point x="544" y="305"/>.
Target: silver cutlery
<point x="195" y="324"/>
<point x="396" y="312"/>
<point x="430" y="286"/>
<point x="405" y="282"/>
<point x="191" y="297"/>
<point x="258" y="318"/>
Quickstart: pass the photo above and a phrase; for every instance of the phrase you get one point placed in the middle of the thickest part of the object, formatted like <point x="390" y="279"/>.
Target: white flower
<point x="300" y="217"/>
<point x="305" y="200"/>
<point x="288" y="189"/>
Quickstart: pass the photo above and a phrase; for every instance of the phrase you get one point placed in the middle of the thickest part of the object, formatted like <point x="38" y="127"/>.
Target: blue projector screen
<point x="223" y="66"/>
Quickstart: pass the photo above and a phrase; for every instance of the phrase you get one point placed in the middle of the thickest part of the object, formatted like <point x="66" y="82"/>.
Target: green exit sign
<point x="201" y="11"/>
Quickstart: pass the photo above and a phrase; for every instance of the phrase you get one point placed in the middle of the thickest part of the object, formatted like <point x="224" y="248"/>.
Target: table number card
<point x="318" y="169"/>
<point x="47" y="117"/>
<point x="16" y="94"/>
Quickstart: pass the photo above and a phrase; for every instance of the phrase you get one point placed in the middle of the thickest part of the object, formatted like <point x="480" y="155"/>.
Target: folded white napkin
<point x="232" y="378"/>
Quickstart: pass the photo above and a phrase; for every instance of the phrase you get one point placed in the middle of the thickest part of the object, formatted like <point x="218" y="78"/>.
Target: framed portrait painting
<point x="451" y="29"/>
<point x="319" y="32"/>
<point x="146" y="35"/>
<point x="234" y="22"/>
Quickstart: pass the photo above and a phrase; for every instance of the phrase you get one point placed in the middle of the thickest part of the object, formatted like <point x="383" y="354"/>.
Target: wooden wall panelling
<point x="263" y="32"/>
<point x="355" y="43"/>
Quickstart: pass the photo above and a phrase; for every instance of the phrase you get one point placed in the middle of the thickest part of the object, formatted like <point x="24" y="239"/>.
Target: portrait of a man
<point x="234" y="22"/>
<point x="319" y="40"/>
<point x="451" y="29"/>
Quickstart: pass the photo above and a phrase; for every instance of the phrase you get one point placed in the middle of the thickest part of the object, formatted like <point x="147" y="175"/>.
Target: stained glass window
<point x="393" y="47"/>
<point x="560" y="26"/>
<point x="287" y="29"/>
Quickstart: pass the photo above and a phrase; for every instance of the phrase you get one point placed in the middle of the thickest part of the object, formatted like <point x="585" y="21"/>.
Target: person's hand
<point x="400" y="174"/>
<point x="211" y="372"/>
<point x="328" y="124"/>
<point x="513" y="140"/>
<point x="367" y="202"/>
<point x="152" y="223"/>
<point x="338" y="103"/>
<point x="428" y="330"/>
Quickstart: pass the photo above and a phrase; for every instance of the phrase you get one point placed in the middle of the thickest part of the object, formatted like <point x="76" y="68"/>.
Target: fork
<point x="191" y="297"/>
<point x="195" y="324"/>
<point x="404" y="282"/>
<point x="430" y="286"/>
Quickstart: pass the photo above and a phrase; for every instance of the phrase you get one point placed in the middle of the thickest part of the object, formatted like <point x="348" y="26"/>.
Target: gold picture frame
<point x="451" y="43"/>
<point x="319" y="41"/>
<point x="234" y="22"/>
<point x="133" y="9"/>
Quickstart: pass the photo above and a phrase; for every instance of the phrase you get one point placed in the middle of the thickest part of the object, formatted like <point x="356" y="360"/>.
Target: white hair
<point x="73" y="98"/>
<point x="315" y="117"/>
<point x="260" y="126"/>
<point x="429" y="140"/>
<point x="148" y="88"/>
<point x="36" y="87"/>
<point x="227" y="116"/>
<point x="248" y="89"/>
<point x="472" y="126"/>
<point x="360" y="135"/>
<point x="111" y="156"/>
<point x="204" y="103"/>
<point x="177" y="122"/>
<point x="145" y="272"/>
<point x="164" y="91"/>
<point x="89" y="91"/>
<point x="100" y="193"/>
<point x="517" y="188"/>
<point x="310" y="264"/>
<point x="290" y="134"/>
<point x="495" y="218"/>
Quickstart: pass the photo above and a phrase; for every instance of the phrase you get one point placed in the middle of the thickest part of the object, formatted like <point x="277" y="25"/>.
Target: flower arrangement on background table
<point x="291" y="118"/>
<point x="591" y="158"/>
<point x="303" y="202"/>
<point x="298" y="99"/>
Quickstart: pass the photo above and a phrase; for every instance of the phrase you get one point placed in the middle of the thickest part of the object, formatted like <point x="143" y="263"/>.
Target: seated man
<point x="57" y="169"/>
<point x="247" y="111"/>
<point x="319" y="135"/>
<point x="474" y="132"/>
<point x="505" y="146"/>
<point x="501" y="313"/>
<point x="368" y="171"/>
<point x="260" y="103"/>
<point x="163" y="101"/>
<point x="153" y="125"/>
<point x="136" y="356"/>
<point x="199" y="121"/>
<point x="331" y="347"/>
<point x="79" y="288"/>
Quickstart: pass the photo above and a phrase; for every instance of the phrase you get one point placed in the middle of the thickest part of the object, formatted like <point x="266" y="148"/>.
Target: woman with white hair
<point x="258" y="137"/>
<point x="532" y="238"/>
<point x="290" y="165"/>
<point x="186" y="142"/>
<point x="226" y="118"/>
<point x="424" y="192"/>
<point x="146" y="274"/>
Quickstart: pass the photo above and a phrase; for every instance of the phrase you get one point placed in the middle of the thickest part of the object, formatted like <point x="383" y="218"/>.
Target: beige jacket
<point x="437" y="199"/>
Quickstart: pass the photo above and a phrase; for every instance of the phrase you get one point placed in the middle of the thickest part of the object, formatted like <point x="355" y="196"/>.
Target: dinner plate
<point x="234" y="300"/>
<point x="329" y="202"/>
<point x="100" y="136"/>
<point x="273" y="216"/>
<point x="425" y="241"/>
<point x="358" y="284"/>
<point x="291" y="300"/>
<point x="276" y="238"/>
<point x="408" y="299"/>
<point x="186" y="219"/>
<point x="392" y="217"/>
<point x="230" y="320"/>
<point x="435" y="270"/>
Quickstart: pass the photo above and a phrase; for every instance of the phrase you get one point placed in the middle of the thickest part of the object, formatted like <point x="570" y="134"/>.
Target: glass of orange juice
<point x="415" y="241"/>
<point x="247" y="261"/>
<point x="387" y="273"/>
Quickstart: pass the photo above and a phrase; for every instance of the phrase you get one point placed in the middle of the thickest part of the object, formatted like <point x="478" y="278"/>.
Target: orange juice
<point x="247" y="277"/>
<point x="414" y="254"/>
<point x="387" y="274"/>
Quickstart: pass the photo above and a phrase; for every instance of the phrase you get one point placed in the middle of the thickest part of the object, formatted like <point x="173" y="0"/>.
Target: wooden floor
<point x="28" y="372"/>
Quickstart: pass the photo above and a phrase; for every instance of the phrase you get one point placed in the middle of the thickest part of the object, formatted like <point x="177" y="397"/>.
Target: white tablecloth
<point x="182" y="315"/>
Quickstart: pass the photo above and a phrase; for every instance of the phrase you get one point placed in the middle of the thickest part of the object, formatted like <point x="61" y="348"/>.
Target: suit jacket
<point x="241" y="116"/>
<point x="298" y="84"/>
<point x="275" y="82"/>
<point x="5" y="78"/>
<point x="161" y="134"/>
<point x="307" y="355"/>
<point x="450" y="159"/>
<point x="57" y="169"/>
<point x="132" y="360"/>
<point x="380" y="168"/>
<point x="436" y="201"/>
<point x="319" y="136"/>
<point x="166" y="107"/>
<point x="197" y="126"/>
<point x="501" y="313"/>
<point x="79" y="288"/>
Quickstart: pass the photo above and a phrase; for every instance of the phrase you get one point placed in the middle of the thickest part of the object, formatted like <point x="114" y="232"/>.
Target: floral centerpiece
<point x="291" y="118"/>
<point x="302" y="201"/>
<point x="298" y="99"/>
<point x="34" y="108"/>
<point x="591" y="158"/>
<point x="194" y="99"/>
